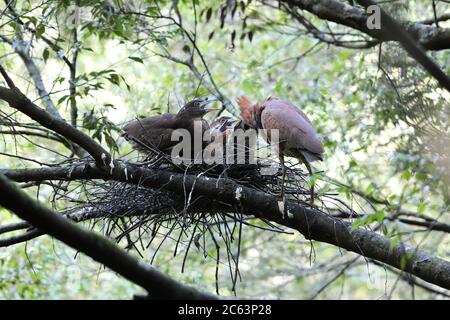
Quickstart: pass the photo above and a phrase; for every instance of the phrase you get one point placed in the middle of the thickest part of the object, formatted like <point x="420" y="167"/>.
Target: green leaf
<point x="137" y="59"/>
<point x="421" y="176"/>
<point x="45" y="54"/>
<point x="352" y="163"/>
<point x="406" y="174"/>
<point x="110" y="142"/>
<point x="208" y="14"/>
<point x="62" y="99"/>
<point x="114" y="78"/>
<point x="404" y="259"/>
<point x="379" y="215"/>
<point x="324" y="189"/>
<point x="323" y="91"/>
<point x="393" y="243"/>
<point x="40" y="31"/>
<point x="421" y="208"/>
<point x="279" y="87"/>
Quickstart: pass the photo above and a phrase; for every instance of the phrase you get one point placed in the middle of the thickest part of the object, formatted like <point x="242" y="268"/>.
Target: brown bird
<point x="156" y="132"/>
<point x="218" y="135"/>
<point x="223" y="130"/>
<point x="297" y="136"/>
<point x="220" y="126"/>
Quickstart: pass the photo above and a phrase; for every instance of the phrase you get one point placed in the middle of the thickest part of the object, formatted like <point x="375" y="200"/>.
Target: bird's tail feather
<point x="311" y="157"/>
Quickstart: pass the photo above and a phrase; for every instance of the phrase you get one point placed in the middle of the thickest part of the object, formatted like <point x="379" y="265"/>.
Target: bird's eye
<point x="197" y="104"/>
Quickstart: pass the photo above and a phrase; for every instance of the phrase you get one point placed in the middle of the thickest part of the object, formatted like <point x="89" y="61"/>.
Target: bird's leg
<point x="283" y="178"/>
<point x="308" y="166"/>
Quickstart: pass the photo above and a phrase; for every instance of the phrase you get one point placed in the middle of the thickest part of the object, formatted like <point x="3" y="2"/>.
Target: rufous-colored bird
<point x="156" y="132"/>
<point x="297" y="136"/>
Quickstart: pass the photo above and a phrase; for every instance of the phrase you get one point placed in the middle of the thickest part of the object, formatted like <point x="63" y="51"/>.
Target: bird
<point x="297" y="136"/>
<point x="223" y="130"/>
<point x="156" y="132"/>
<point x="217" y="139"/>
<point x="220" y="126"/>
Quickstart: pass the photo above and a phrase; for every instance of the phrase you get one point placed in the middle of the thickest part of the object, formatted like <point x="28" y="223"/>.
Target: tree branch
<point x="22" y="50"/>
<point x="313" y="224"/>
<point x="429" y="37"/>
<point x="389" y="25"/>
<point x="100" y="249"/>
<point x="35" y="75"/>
<point x="407" y="35"/>
<point x="73" y="75"/>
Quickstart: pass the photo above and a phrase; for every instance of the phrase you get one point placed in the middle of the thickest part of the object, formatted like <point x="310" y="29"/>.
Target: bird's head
<point x="250" y="112"/>
<point x="197" y="108"/>
<point x="222" y="124"/>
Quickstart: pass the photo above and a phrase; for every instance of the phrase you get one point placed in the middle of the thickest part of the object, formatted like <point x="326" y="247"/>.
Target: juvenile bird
<point x="220" y="126"/>
<point x="297" y="136"/>
<point x="218" y="134"/>
<point x="156" y="132"/>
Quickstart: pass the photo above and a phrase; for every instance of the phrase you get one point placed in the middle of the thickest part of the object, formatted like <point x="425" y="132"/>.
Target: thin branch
<point x="429" y="37"/>
<point x="24" y="53"/>
<point x="444" y="17"/>
<point x="73" y="75"/>
<point x="410" y="45"/>
<point x="312" y="223"/>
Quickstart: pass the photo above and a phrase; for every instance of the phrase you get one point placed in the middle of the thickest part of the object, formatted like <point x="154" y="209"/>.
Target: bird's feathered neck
<point x="250" y="112"/>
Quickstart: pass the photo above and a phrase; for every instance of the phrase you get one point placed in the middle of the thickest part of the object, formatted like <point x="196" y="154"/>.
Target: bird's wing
<point x="295" y="132"/>
<point x="155" y="131"/>
<point x="160" y="121"/>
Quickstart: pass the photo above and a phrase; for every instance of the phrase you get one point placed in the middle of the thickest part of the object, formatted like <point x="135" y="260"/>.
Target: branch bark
<point x="313" y="224"/>
<point x="407" y="34"/>
<point x="405" y="38"/>
<point x="429" y="37"/>
<point x="19" y="101"/>
<point x="100" y="249"/>
<point x="35" y="75"/>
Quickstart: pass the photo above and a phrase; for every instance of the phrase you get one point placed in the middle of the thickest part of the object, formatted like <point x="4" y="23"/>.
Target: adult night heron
<point x="297" y="136"/>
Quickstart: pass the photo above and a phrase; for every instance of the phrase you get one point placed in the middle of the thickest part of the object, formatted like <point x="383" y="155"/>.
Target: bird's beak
<point x="206" y="101"/>
<point x="223" y="127"/>
<point x="236" y="123"/>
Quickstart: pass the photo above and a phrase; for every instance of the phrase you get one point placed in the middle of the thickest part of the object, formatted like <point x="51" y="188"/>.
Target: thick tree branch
<point x="429" y="37"/>
<point x="407" y="34"/>
<point x="100" y="249"/>
<point x="35" y="75"/>
<point x="389" y="25"/>
<point x="313" y="224"/>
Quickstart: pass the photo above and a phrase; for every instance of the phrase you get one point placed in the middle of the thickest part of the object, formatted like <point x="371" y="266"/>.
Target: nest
<point x="137" y="217"/>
